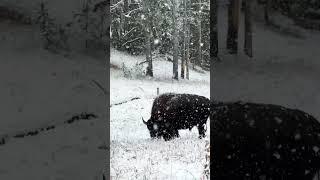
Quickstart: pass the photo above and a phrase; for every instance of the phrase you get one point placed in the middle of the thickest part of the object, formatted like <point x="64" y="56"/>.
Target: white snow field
<point x="133" y="154"/>
<point x="285" y="70"/>
<point x="39" y="89"/>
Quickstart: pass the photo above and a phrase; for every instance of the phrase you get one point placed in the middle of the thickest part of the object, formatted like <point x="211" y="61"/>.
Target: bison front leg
<point x="202" y="131"/>
<point x="167" y="136"/>
<point x="176" y="133"/>
<point x="170" y="134"/>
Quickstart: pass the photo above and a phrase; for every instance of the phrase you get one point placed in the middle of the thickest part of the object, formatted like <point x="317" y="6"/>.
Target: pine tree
<point x="175" y="40"/>
<point x="267" y="7"/>
<point x="47" y="27"/>
<point x="184" y="57"/>
<point x="188" y="51"/>
<point x="248" y="29"/>
<point x="200" y="34"/>
<point x="148" y="35"/>
<point x="83" y="19"/>
<point x="233" y="26"/>
<point x="214" y="30"/>
<point x="149" y="53"/>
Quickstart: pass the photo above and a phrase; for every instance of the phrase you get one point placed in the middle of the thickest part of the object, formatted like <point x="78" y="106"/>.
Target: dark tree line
<point x="89" y="24"/>
<point x="305" y="13"/>
<point x="181" y="30"/>
<point x="234" y="7"/>
<point x="176" y="29"/>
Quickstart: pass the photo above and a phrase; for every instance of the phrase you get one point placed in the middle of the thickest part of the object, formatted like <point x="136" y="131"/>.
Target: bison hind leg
<point x="170" y="134"/>
<point x="176" y="133"/>
<point x="202" y="130"/>
<point x="167" y="136"/>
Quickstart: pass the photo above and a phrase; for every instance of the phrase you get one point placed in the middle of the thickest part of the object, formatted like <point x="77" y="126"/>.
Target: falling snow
<point x="156" y="41"/>
<point x="278" y="120"/>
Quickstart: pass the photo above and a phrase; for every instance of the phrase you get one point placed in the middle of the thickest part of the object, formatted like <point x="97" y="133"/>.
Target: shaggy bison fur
<point x="263" y="141"/>
<point x="171" y="112"/>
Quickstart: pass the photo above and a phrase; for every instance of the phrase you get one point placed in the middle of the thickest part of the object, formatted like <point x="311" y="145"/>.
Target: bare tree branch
<point x="100" y="86"/>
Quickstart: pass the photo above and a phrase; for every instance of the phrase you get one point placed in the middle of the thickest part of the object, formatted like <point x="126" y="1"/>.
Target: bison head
<point x="153" y="128"/>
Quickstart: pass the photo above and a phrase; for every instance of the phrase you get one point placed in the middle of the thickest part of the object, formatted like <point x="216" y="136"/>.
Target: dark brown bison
<point x="171" y="112"/>
<point x="263" y="141"/>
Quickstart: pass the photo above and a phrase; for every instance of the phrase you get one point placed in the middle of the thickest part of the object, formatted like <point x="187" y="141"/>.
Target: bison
<point x="171" y="112"/>
<point x="263" y="141"/>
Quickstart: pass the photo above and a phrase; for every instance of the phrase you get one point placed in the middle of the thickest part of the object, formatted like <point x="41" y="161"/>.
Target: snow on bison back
<point x="171" y="112"/>
<point x="254" y="141"/>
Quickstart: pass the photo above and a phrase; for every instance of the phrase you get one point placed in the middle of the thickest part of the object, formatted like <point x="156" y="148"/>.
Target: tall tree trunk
<point x="125" y="11"/>
<point x="183" y="60"/>
<point x="148" y="35"/>
<point x="126" y="5"/>
<point x="122" y="23"/>
<point x="266" y="11"/>
<point x="148" y="53"/>
<point x="200" y="40"/>
<point x="248" y="29"/>
<point x="175" y="41"/>
<point x="214" y="30"/>
<point x="109" y="34"/>
<point x="86" y="11"/>
<point x="188" y="51"/>
<point x="233" y="26"/>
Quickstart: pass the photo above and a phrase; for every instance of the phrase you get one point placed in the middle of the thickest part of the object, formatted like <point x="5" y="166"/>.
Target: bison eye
<point x="155" y="126"/>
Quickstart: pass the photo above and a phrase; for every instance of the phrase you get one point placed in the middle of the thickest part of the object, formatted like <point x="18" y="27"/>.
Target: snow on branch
<point x="128" y="14"/>
<point x="129" y="31"/>
<point x="131" y="40"/>
<point x="114" y="6"/>
<point x="100" y="86"/>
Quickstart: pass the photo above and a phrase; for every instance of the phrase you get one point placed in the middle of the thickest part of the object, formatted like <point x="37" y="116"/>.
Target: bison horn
<point x="144" y="121"/>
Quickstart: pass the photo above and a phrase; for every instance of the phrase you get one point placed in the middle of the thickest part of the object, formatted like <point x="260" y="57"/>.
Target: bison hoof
<point x="202" y="136"/>
<point x="168" y="137"/>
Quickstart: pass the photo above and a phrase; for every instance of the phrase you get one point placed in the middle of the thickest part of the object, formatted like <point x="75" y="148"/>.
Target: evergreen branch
<point x="131" y="41"/>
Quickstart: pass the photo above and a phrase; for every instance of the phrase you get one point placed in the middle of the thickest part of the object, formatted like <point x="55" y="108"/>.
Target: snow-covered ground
<point x="284" y="70"/>
<point x="133" y="154"/>
<point x="38" y="89"/>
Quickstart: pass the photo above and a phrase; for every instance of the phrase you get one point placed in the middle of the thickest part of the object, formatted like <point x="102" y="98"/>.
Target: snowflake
<point x="156" y="41"/>
<point x="278" y="120"/>
<point x="277" y="155"/>
<point x="251" y="123"/>
<point x="155" y="126"/>
<point x="297" y="136"/>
